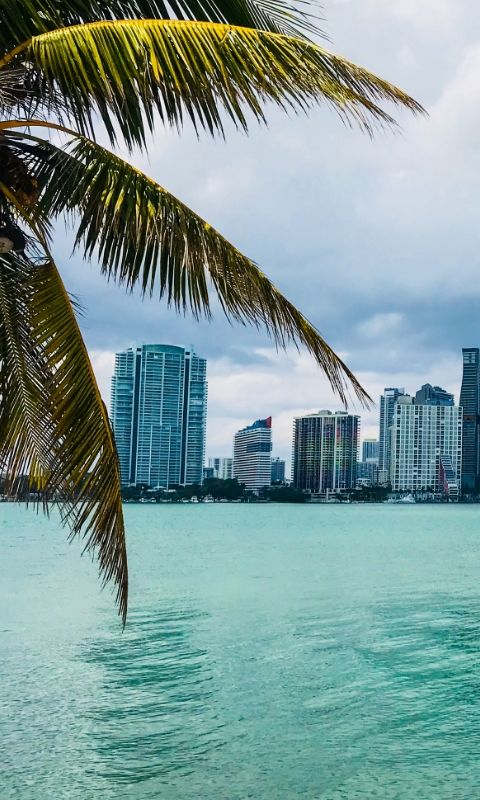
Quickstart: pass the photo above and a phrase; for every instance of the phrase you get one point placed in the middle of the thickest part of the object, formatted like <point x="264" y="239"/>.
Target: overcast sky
<point x="376" y="241"/>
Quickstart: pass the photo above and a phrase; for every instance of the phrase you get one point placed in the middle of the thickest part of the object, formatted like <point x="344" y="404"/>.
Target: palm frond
<point x="125" y="70"/>
<point x="23" y="19"/>
<point x="85" y="455"/>
<point x="23" y="93"/>
<point x="144" y="236"/>
<point x="54" y="427"/>
<point x="26" y="428"/>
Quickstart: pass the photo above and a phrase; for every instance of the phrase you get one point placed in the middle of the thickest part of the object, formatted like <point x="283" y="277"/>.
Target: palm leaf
<point x="54" y="427"/>
<point x="125" y="70"/>
<point x="23" y="19"/>
<point x="26" y="427"/>
<point x="144" y="236"/>
<point x="85" y="455"/>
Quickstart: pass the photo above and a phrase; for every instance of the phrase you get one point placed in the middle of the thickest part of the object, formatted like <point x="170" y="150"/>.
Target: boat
<point x="408" y="499"/>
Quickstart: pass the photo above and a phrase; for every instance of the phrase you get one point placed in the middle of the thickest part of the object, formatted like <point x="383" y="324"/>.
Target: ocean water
<point x="271" y="652"/>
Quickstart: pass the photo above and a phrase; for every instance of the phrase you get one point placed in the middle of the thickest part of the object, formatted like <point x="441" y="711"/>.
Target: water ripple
<point x="160" y="681"/>
<point x="270" y="653"/>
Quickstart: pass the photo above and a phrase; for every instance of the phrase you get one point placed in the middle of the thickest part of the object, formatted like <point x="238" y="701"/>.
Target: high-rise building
<point x="470" y="402"/>
<point x="430" y="395"/>
<point x="426" y="444"/>
<point x="370" y="450"/>
<point x="158" y="412"/>
<point x="325" y="451"/>
<point x="387" y="405"/>
<point x="278" y="470"/>
<point x="367" y="473"/>
<point x="448" y="483"/>
<point x="367" y="468"/>
<point x="222" y="468"/>
<point x="252" y="449"/>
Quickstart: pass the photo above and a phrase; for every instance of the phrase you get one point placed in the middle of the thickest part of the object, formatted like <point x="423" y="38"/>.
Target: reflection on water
<point x="152" y="713"/>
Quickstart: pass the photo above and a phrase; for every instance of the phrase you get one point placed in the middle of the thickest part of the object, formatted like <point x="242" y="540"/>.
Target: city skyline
<point x="219" y="437"/>
<point x="154" y="383"/>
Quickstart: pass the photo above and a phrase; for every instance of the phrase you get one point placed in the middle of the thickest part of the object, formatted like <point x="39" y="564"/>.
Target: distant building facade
<point x="278" y="470"/>
<point x="430" y="395"/>
<point x="158" y="413"/>
<point x="470" y="402"/>
<point x="426" y="443"/>
<point x="325" y="451"/>
<point x="222" y="468"/>
<point x="367" y="468"/>
<point x="370" y="450"/>
<point x="367" y="473"/>
<point x="252" y="449"/>
<point x="387" y="405"/>
<point x="449" y="484"/>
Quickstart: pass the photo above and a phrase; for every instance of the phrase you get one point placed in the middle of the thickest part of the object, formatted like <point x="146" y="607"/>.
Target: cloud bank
<point x="376" y="241"/>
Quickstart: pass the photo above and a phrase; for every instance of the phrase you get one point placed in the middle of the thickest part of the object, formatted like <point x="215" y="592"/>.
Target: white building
<point x="222" y="468"/>
<point x="252" y="448"/>
<point x="422" y="437"/>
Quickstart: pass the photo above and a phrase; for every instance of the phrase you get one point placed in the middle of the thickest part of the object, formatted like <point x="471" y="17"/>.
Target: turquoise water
<point x="271" y="652"/>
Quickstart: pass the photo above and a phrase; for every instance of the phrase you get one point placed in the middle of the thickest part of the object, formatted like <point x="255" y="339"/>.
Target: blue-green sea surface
<point x="271" y="652"/>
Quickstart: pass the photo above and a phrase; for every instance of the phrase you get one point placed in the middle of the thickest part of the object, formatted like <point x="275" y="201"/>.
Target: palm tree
<point x="70" y="68"/>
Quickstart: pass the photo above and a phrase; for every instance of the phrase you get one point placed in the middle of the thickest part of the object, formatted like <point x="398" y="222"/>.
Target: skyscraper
<point x="387" y="404"/>
<point x="367" y="473"/>
<point x="278" y="470"/>
<point x="470" y="402"/>
<point x="252" y="448"/>
<point x="430" y="395"/>
<point x="370" y="450"/>
<point x="222" y="468"/>
<point x="426" y="449"/>
<point x="158" y="412"/>
<point x="325" y="451"/>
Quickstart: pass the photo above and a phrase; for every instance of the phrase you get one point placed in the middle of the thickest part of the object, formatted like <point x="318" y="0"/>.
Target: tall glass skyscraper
<point x="470" y="402"/>
<point x="387" y="405"/>
<point x="325" y="451"/>
<point x="370" y="450"/>
<point x="158" y="413"/>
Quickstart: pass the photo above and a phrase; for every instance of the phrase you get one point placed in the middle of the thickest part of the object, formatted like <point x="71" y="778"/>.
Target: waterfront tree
<point x="73" y="72"/>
